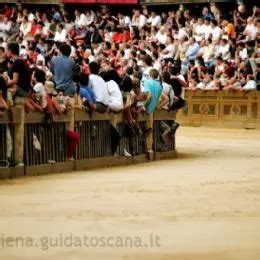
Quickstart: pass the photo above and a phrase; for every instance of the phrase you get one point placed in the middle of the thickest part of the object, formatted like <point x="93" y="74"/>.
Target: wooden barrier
<point x="91" y="152"/>
<point x="221" y="109"/>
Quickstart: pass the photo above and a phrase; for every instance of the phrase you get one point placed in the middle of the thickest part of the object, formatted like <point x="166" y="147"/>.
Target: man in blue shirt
<point x="63" y="68"/>
<point x="153" y="88"/>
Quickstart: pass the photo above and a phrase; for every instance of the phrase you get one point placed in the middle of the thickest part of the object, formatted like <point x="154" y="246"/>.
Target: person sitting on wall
<point x="99" y="88"/>
<point x="86" y="97"/>
<point x="20" y="75"/>
<point x="38" y="96"/>
<point x="115" y="102"/>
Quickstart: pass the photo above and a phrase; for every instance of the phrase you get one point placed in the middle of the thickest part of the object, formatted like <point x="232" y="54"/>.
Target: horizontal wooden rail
<point x="221" y="109"/>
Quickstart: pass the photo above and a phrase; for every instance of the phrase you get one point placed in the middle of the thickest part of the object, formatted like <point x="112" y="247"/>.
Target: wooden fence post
<point x="19" y="119"/>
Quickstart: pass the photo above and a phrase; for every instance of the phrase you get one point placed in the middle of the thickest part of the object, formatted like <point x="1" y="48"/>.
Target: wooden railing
<point x="221" y="109"/>
<point x="91" y="152"/>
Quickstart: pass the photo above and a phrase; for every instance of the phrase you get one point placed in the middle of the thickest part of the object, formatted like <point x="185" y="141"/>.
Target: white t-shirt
<point x="145" y="76"/>
<point x="125" y="21"/>
<point x="171" y="50"/>
<point x="250" y="85"/>
<point x="162" y="38"/>
<point x="251" y="30"/>
<point x="115" y="96"/>
<point x="100" y="89"/>
<point x="199" y="32"/>
<point x="142" y="21"/>
<point x="155" y="21"/>
<point x="60" y="36"/>
<point x="207" y="30"/>
<point x="243" y="54"/>
<point x="216" y="33"/>
<point x="41" y="93"/>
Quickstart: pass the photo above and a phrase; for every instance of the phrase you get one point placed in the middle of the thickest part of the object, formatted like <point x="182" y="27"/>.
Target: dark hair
<point x="166" y="77"/>
<point x="111" y="75"/>
<point x="13" y="47"/>
<point x="94" y="68"/>
<point x="83" y="79"/>
<point x="40" y="75"/>
<point x="175" y="70"/>
<point x="214" y="22"/>
<point x="219" y="58"/>
<point x="129" y="70"/>
<point x="148" y="60"/>
<point x="65" y="49"/>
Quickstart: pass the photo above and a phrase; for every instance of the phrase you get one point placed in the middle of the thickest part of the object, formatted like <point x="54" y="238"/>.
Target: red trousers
<point x="73" y="140"/>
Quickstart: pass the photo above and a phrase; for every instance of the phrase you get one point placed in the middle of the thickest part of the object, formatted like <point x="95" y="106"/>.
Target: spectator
<point x="115" y="102"/>
<point x="99" y="88"/>
<point x="19" y="82"/>
<point x="62" y="68"/>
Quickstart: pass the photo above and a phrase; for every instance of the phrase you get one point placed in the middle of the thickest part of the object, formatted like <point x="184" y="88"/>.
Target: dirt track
<point x="204" y="205"/>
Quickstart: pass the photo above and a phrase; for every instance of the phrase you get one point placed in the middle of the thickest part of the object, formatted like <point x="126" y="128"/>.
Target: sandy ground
<point x="204" y="205"/>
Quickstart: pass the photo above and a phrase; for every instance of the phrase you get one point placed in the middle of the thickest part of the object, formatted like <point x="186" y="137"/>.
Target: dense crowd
<point x="134" y="62"/>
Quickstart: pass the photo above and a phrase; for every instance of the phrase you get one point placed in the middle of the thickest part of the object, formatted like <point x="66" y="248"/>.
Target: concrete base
<point x="87" y="164"/>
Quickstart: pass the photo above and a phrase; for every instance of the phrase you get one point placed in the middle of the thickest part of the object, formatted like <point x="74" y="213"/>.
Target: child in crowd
<point x="37" y="100"/>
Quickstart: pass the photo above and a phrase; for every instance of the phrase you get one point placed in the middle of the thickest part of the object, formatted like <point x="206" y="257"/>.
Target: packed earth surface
<point x="203" y="205"/>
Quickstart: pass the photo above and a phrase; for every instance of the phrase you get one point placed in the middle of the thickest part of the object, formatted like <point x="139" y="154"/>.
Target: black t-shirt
<point x="177" y="87"/>
<point x="126" y="84"/>
<point x="23" y="70"/>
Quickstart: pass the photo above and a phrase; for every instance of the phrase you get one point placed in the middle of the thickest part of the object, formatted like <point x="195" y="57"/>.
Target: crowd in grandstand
<point x="136" y="61"/>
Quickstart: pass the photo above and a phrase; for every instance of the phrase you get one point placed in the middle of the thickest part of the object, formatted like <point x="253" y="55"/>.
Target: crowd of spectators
<point x="137" y="61"/>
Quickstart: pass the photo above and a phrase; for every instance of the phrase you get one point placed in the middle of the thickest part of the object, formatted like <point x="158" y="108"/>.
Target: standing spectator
<point x="63" y="68"/>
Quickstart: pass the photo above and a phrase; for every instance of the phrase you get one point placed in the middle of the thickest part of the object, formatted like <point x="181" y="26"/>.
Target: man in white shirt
<point x="215" y="31"/>
<point x="90" y="17"/>
<point x="207" y="28"/>
<point x="139" y="20"/>
<point x="169" y="51"/>
<point x="25" y="27"/>
<point x="124" y="20"/>
<point x="60" y="34"/>
<point x="199" y="32"/>
<point x="5" y="26"/>
<point x="154" y="20"/>
<point x="161" y="35"/>
<point x="251" y="30"/>
<point x="99" y="88"/>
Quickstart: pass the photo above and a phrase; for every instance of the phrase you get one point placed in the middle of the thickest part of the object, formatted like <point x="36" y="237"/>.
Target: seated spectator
<point x="99" y="88"/>
<point x="60" y="34"/>
<point x="115" y="102"/>
<point x="61" y="102"/>
<point x="86" y="93"/>
<point x="38" y="98"/>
